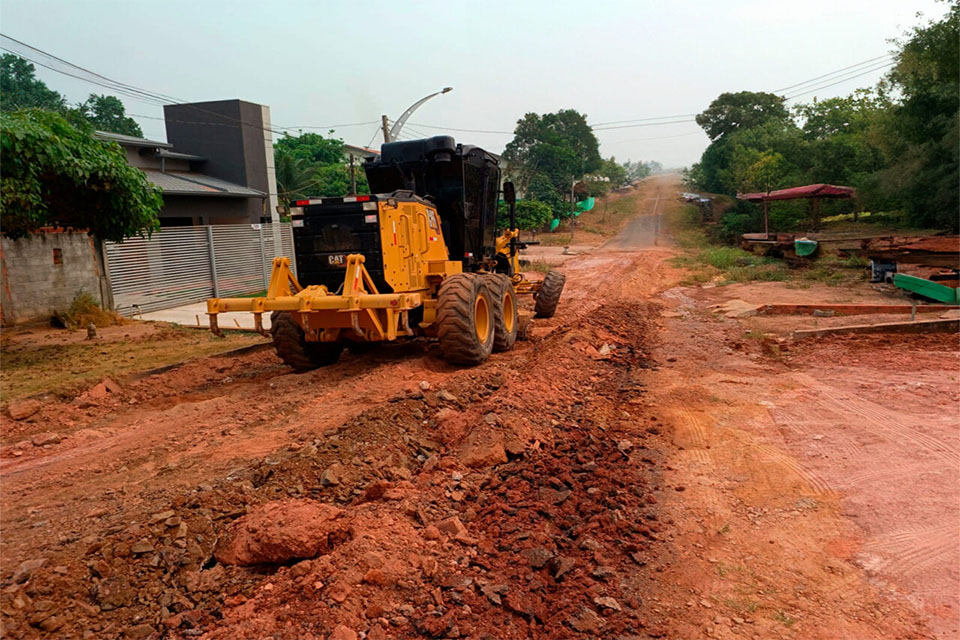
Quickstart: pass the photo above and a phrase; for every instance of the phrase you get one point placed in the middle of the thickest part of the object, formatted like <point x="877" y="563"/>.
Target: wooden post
<point x="766" y="219"/>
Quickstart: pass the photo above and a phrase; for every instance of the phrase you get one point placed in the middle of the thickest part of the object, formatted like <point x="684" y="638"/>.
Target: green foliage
<point x="311" y="147"/>
<point x="922" y="131"/>
<point x="312" y="165"/>
<point x="549" y="151"/>
<point x="334" y="180"/>
<point x="732" y="112"/>
<point x="294" y="176"/>
<point x="55" y="174"/>
<point x="530" y="215"/>
<point x="542" y="190"/>
<point x="640" y="170"/>
<point x="107" y="113"/>
<point x="896" y="144"/>
<point x="20" y="89"/>
<point x="614" y="172"/>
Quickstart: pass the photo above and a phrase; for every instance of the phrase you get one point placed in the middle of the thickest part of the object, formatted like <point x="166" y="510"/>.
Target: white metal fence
<point x="183" y="265"/>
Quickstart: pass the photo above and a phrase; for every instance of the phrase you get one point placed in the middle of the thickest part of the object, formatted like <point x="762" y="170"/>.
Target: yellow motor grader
<point x="418" y="257"/>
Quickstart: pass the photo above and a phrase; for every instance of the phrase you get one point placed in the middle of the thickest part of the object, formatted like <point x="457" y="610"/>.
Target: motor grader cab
<point x="420" y="256"/>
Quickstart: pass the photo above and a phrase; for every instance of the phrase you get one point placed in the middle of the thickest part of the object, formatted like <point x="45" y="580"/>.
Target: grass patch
<point x="742" y="605"/>
<point x="31" y="368"/>
<point x="725" y="265"/>
<point x="554" y="239"/>
<point x="783" y="618"/>
<point x="539" y="265"/>
<point x="722" y="265"/>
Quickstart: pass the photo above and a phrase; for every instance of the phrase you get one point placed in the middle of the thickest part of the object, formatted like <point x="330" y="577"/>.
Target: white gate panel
<point x="184" y="265"/>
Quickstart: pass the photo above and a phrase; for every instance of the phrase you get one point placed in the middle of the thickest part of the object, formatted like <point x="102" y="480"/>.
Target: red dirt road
<point x="637" y="469"/>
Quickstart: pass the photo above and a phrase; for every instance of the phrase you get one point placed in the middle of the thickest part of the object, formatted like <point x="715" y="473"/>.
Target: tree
<point x="310" y="164"/>
<point x="107" y="113"/>
<point x="614" y="172"/>
<point x="638" y="170"/>
<point x="731" y="112"/>
<point x="530" y="214"/>
<point x="334" y="180"/>
<point x="20" y="89"/>
<point x="560" y="146"/>
<point x="922" y="131"/>
<point x="764" y="173"/>
<point x="311" y="147"/>
<point x="541" y="189"/>
<point x="56" y="174"/>
<point x="294" y="176"/>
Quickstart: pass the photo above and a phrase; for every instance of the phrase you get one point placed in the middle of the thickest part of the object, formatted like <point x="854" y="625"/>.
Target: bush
<point x="84" y="310"/>
<point x="530" y="215"/>
<point x="56" y="174"/>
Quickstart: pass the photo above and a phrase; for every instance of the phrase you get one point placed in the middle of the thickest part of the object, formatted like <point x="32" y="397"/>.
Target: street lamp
<point x="390" y="134"/>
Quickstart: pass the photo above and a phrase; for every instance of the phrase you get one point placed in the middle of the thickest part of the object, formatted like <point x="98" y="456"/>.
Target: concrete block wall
<point x="33" y="286"/>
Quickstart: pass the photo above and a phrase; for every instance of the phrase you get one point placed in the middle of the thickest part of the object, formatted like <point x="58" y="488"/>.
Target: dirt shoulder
<point x="40" y="360"/>
<point x="819" y="490"/>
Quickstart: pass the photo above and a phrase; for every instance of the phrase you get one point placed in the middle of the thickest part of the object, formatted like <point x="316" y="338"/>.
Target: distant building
<point x="216" y="166"/>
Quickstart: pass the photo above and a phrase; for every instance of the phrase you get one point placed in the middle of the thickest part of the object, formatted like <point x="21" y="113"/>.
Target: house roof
<point x="163" y="153"/>
<point x="808" y="191"/>
<point x="130" y="141"/>
<point x="191" y="183"/>
<point x="360" y="152"/>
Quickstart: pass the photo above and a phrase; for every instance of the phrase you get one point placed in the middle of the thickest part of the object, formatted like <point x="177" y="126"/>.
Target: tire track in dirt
<point x="813" y="481"/>
<point x="885" y="422"/>
<point x="907" y="553"/>
<point x="800" y="426"/>
<point x="886" y="475"/>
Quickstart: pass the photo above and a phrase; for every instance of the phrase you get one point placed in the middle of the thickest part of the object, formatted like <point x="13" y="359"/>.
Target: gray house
<point x="216" y="166"/>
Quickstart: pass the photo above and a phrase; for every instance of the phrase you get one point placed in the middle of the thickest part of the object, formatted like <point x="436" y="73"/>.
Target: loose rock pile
<point x="515" y="502"/>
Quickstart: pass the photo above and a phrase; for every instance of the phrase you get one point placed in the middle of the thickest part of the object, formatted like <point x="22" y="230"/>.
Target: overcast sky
<point x="329" y="63"/>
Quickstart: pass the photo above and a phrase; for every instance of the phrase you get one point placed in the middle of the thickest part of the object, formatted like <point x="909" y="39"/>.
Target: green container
<point x="805" y="247"/>
<point x="927" y="288"/>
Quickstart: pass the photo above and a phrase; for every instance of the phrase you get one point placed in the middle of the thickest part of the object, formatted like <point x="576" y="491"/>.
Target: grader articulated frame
<point x="369" y="314"/>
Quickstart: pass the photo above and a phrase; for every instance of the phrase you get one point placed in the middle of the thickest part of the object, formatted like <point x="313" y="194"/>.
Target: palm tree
<point x="294" y="175"/>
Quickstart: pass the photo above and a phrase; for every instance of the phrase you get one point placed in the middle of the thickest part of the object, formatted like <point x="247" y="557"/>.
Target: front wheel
<point x="548" y="297"/>
<point x="291" y="344"/>
<point x="465" y="321"/>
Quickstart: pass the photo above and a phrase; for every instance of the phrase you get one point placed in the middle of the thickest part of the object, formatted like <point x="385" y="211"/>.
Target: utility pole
<point x="385" y="125"/>
<point x="353" y="177"/>
<point x="573" y="206"/>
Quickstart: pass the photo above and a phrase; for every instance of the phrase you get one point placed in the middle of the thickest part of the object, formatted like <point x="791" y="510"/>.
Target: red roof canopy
<point x="809" y="191"/>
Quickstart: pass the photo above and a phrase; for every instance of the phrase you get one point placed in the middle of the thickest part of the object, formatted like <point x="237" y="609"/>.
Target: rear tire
<point x="292" y="347"/>
<point x="505" y="319"/>
<point x="465" y="319"/>
<point x="548" y="297"/>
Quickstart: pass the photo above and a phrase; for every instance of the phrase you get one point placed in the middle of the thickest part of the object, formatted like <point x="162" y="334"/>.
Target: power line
<point x="859" y="64"/>
<point x="121" y="87"/>
<point x="647" y="124"/>
<point x="428" y="126"/>
<point x="679" y="135"/>
<point x="333" y="126"/>
<point x="601" y="124"/>
<point x="842" y="80"/>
